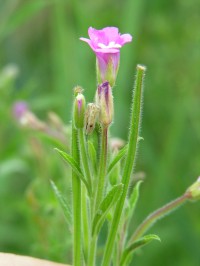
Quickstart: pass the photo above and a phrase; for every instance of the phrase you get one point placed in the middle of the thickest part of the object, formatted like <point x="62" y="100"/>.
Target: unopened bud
<point x="194" y="190"/>
<point x="91" y="115"/>
<point x="79" y="110"/>
<point x="104" y="100"/>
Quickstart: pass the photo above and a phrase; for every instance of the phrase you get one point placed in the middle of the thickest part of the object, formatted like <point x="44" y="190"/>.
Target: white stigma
<point x="110" y="45"/>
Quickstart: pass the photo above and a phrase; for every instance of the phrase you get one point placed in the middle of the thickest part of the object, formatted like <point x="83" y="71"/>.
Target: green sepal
<point x="117" y="158"/>
<point x="62" y="202"/>
<point x="70" y="160"/>
<point x="135" y="245"/>
<point x="111" y="198"/>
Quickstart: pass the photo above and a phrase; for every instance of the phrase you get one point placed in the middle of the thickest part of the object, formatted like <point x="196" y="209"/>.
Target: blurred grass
<point x="41" y="38"/>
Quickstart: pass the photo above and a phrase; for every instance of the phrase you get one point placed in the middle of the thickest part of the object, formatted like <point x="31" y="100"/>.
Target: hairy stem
<point x="102" y="166"/>
<point x="129" y="163"/>
<point x="85" y="219"/>
<point x="100" y="190"/>
<point x="156" y="215"/>
<point x="76" y="197"/>
<point x="92" y="253"/>
<point x="84" y="157"/>
<point x="87" y="173"/>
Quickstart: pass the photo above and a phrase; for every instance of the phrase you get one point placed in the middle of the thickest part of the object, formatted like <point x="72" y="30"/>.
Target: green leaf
<point x="70" y="160"/>
<point x="93" y="155"/>
<point x="111" y="198"/>
<point x="135" y="245"/>
<point x="117" y="158"/>
<point x="65" y="207"/>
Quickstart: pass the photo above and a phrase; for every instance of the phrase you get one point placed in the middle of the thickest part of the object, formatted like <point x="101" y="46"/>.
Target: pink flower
<point x="19" y="109"/>
<point x="106" y="44"/>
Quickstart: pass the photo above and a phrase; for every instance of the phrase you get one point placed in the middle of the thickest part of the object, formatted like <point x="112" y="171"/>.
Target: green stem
<point x="158" y="214"/>
<point x="93" y="246"/>
<point x="100" y="190"/>
<point x="76" y="197"/>
<point x="102" y="166"/>
<point x="129" y="163"/>
<point x="84" y="157"/>
<point x="85" y="223"/>
<point x="87" y="173"/>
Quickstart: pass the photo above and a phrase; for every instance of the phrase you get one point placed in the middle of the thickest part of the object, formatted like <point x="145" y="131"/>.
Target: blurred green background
<point x="42" y="59"/>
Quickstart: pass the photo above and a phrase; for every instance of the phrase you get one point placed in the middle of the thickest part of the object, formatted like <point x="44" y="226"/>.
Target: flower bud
<point x="104" y="100"/>
<point x="91" y="115"/>
<point x="194" y="190"/>
<point x="79" y="110"/>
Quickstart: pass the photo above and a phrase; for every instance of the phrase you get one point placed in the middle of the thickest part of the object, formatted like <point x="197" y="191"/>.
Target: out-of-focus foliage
<point x="41" y="60"/>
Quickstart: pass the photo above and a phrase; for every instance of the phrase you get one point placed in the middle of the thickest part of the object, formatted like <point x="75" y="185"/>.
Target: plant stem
<point x="102" y="166"/>
<point x="156" y="215"/>
<point x="100" y="190"/>
<point x="87" y="173"/>
<point x="76" y="197"/>
<point x="84" y="157"/>
<point x="129" y="163"/>
<point x="85" y="219"/>
<point x="92" y="253"/>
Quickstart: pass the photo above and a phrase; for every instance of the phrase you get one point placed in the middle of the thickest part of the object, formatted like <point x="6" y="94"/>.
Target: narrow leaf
<point x="135" y="245"/>
<point x="111" y="198"/>
<point x="65" y="207"/>
<point x="117" y="158"/>
<point x="70" y="160"/>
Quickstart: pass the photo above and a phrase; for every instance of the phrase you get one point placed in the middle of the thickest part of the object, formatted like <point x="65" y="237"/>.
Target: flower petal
<point x="97" y="36"/>
<point x="124" y="38"/>
<point x="112" y="33"/>
<point x="88" y="41"/>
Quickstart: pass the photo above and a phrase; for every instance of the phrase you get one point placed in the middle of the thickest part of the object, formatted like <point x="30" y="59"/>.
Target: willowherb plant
<point x="101" y="179"/>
